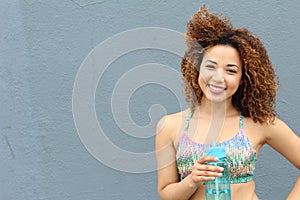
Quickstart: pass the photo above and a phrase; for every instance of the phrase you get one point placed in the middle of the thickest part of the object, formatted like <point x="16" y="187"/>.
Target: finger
<point x="205" y="159"/>
<point x="206" y="173"/>
<point x="205" y="167"/>
<point x="203" y="178"/>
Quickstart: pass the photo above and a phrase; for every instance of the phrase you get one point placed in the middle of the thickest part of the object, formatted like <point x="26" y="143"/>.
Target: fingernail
<point x="221" y="169"/>
<point x="220" y="174"/>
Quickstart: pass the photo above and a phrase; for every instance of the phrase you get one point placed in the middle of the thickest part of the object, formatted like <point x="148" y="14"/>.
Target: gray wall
<point x="42" y="46"/>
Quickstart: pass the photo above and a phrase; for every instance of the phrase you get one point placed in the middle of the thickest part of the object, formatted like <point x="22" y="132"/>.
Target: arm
<point x="279" y="137"/>
<point x="169" y="187"/>
<point x="295" y="193"/>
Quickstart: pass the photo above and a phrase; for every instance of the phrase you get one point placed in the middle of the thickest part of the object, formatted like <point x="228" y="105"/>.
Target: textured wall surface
<point x="42" y="46"/>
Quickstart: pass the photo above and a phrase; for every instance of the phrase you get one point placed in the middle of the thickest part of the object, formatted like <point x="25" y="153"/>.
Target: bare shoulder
<point x="265" y="127"/>
<point x="170" y="125"/>
<point x="255" y="132"/>
<point x="264" y="131"/>
<point x="279" y="127"/>
<point x="254" y="126"/>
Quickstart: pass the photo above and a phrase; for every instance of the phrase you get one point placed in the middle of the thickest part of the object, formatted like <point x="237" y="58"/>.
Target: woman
<point x="231" y="86"/>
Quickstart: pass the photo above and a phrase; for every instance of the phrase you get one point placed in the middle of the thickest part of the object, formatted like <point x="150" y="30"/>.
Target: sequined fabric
<point x="240" y="156"/>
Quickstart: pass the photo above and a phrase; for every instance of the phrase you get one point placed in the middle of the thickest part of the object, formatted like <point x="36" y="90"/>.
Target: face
<point x="220" y="73"/>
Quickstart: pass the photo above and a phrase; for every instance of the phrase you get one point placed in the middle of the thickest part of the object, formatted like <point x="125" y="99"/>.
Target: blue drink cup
<point x="218" y="189"/>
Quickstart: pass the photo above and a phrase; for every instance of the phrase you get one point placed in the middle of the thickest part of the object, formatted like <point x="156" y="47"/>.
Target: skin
<point x="220" y="77"/>
<point x="294" y="194"/>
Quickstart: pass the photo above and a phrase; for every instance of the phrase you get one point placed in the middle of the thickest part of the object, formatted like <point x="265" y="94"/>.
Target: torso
<point x="253" y="132"/>
<point x="244" y="191"/>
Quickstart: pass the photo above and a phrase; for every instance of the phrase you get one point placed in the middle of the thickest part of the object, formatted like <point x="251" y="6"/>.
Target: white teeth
<point x="217" y="89"/>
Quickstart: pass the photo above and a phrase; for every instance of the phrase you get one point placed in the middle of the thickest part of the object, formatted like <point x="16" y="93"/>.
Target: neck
<point x="217" y="114"/>
<point x="215" y="109"/>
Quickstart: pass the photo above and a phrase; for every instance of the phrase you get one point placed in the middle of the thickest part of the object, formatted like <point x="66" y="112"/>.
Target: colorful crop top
<point x="240" y="155"/>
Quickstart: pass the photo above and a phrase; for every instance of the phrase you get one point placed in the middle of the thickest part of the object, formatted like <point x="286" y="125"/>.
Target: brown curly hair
<point x="256" y="95"/>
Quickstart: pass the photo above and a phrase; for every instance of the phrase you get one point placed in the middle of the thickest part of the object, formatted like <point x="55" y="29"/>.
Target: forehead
<point x="222" y="54"/>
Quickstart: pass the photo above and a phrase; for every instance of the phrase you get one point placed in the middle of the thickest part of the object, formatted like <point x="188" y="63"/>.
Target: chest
<point x="205" y="131"/>
<point x="240" y="156"/>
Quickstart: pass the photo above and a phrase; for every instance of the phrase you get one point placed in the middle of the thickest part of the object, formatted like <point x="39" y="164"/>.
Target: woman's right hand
<point x="202" y="172"/>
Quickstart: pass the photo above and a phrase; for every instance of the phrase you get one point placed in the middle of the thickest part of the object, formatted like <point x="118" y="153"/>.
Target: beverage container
<point x="218" y="189"/>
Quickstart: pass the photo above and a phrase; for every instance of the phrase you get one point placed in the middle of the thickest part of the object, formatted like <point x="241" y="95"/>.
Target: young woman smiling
<point x="231" y="86"/>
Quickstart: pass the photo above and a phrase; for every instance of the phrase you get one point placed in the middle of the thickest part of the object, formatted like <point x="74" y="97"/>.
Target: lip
<point x="216" y="89"/>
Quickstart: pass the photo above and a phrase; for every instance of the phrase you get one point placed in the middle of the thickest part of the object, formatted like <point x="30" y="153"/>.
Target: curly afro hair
<point x="256" y="95"/>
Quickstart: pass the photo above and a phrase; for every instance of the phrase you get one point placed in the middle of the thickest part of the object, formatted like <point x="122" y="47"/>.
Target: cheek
<point x="202" y="80"/>
<point x="235" y="82"/>
<point x="204" y="75"/>
<point x="202" y="83"/>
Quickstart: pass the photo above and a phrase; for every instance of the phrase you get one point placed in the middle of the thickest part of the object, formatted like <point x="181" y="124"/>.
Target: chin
<point x="217" y="99"/>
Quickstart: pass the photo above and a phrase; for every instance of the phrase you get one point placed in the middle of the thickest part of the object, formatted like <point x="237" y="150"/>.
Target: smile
<point x="216" y="89"/>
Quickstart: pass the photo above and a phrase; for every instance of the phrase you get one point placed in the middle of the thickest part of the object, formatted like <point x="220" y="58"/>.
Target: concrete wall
<point x="42" y="47"/>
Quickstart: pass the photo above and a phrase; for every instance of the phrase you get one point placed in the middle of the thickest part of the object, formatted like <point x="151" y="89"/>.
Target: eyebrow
<point x="229" y="65"/>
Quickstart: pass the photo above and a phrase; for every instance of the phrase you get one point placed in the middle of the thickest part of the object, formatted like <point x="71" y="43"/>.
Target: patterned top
<point x="240" y="155"/>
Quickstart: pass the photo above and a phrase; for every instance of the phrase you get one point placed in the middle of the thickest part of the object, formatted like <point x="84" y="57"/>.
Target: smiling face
<point x="220" y="73"/>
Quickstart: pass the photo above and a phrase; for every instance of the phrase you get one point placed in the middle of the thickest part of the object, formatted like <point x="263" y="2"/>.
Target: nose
<point x="218" y="76"/>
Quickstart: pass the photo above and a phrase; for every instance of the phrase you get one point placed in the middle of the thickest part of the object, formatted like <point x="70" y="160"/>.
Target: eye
<point x="232" y="71"/>
<point x="210" y="66"/>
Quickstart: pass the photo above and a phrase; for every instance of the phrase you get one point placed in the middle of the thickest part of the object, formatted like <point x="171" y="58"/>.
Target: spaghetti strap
<point x="188" y="120"/>
<point x="191" y="114"/>
<point x="241" y="122"/>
